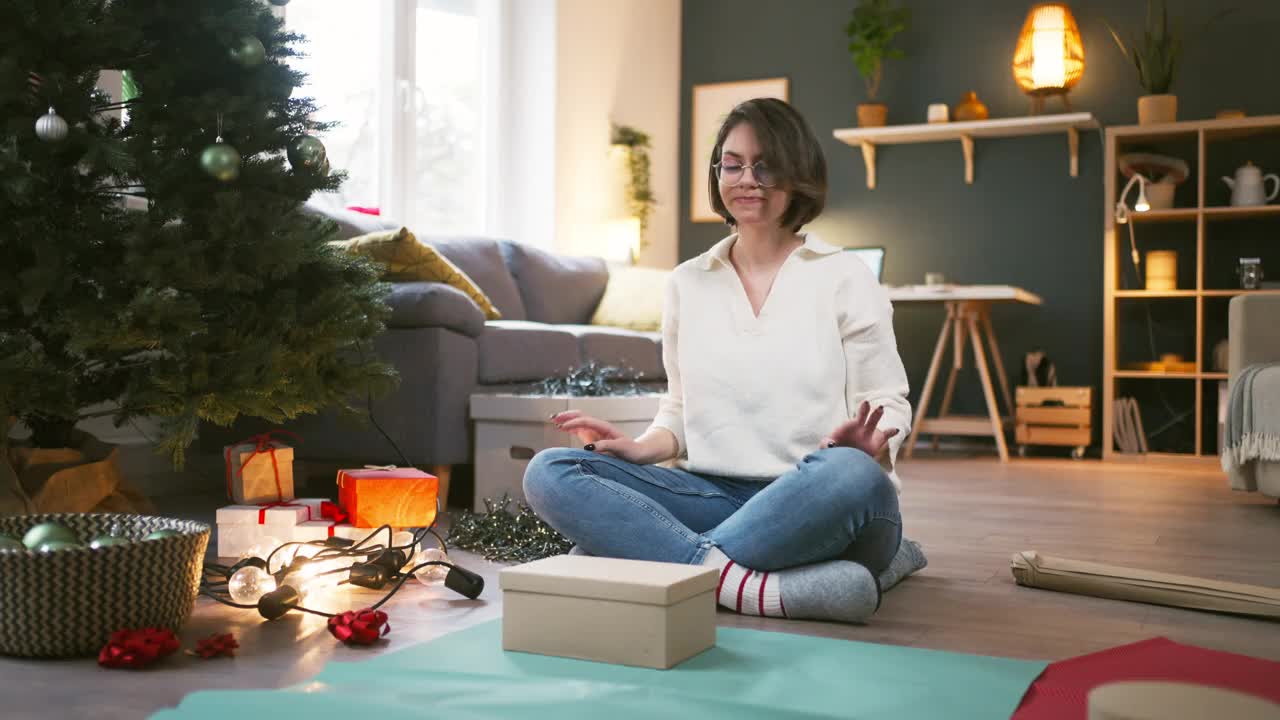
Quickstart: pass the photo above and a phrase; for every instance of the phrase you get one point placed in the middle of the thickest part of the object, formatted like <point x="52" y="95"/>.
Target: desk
<point x="968" y="308"/>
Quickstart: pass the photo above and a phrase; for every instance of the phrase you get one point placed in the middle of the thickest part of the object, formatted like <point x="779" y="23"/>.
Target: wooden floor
<point x="970" y="514"/>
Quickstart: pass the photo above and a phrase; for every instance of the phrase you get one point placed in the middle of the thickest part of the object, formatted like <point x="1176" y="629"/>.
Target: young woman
<point x="785" y="407"/>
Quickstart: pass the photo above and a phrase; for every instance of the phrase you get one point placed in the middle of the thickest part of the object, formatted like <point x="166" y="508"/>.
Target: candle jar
<point x="1250" y="273"/>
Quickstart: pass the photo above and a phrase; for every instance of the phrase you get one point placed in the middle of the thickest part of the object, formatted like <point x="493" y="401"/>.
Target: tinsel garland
<point x="593" y="380"/>
<point x="501" y="536"/>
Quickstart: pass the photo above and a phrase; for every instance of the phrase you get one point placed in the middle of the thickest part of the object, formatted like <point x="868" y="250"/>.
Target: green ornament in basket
<point x="74" y="578"/>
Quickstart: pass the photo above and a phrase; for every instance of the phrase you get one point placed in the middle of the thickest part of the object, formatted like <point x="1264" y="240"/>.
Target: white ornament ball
<point x="51" y="127"/>
<point x="250" y="583"/>
<point x="432" y="573"/>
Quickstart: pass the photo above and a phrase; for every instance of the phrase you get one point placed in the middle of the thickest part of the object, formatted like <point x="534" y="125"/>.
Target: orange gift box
<point x="399" y="497"/>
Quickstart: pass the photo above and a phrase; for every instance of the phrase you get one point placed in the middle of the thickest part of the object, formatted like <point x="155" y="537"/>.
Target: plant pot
<point x="1160" y="195"/>
<point x="1156" y="109"/>
<point x="873" y="115"/>
<point x="81" y="478"/>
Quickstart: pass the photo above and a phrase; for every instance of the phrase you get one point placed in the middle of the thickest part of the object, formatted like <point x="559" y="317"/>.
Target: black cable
<point x="373" y="420"/>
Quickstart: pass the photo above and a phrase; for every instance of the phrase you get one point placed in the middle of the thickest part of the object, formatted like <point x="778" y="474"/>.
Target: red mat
<point x="1061" y="691"/>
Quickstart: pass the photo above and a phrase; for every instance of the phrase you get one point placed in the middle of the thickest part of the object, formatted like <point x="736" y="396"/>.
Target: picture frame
<point x="711" y="103"/>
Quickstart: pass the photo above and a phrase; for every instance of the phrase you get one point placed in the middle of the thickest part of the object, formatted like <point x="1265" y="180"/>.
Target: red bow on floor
<point x="216" y="645"/>
<point x="360" y="627"/>
<point x="137" y="648"/>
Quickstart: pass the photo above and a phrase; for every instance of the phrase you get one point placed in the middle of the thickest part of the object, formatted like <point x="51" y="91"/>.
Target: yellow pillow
<point x="632" y="299"/>
<point x="407" y="260"/>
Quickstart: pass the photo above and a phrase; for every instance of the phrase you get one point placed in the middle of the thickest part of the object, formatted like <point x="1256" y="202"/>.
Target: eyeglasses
<point x="732" y="173"/>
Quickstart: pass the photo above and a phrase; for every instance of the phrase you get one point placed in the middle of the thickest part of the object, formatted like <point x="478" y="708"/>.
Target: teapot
<point x="1249" y="185"/>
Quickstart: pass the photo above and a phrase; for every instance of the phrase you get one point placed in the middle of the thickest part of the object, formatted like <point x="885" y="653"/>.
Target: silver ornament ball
<point x="51" y="127"/>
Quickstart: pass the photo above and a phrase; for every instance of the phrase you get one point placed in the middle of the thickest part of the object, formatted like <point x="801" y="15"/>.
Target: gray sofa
<point x="445" y="350"/>
<point x="1251" y="323"/>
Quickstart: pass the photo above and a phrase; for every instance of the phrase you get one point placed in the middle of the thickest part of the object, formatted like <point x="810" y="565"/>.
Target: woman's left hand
<point x="862" y="432"/>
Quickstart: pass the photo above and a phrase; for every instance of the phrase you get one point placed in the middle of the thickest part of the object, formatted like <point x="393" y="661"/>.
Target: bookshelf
<point x="1209" y="236"/>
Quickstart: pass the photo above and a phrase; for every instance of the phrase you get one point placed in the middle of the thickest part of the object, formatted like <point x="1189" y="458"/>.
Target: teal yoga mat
<point x="749" y="674"/>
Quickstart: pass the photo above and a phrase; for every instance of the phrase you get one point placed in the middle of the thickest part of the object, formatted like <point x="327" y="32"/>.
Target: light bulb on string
<point x="430" y="574"/>
<point x="250" y="583"/>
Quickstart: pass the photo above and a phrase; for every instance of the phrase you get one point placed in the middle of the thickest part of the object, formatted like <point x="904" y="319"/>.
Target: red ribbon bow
<point x="359" y="627"/>
<point x="333" y="511"/>
<point x="216" y="645"/>
<point x="262" y="443"/>
<point x="137" y="648"/>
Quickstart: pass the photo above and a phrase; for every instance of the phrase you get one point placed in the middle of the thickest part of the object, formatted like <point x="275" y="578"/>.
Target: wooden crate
<point x="1054" y="416"/>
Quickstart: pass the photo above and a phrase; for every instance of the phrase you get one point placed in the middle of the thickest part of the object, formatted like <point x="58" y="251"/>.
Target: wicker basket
<point x="66" y="603"/>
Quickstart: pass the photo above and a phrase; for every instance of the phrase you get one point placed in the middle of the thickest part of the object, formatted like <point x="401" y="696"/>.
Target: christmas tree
<point x="217" y="296"/>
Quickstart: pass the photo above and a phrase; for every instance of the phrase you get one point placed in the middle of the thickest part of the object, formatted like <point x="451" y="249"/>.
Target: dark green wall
<point x="1024" y="221"/>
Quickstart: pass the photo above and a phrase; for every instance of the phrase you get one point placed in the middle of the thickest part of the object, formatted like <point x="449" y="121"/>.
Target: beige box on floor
<point x="511" y="428"/>
<point x="627" y="612"/>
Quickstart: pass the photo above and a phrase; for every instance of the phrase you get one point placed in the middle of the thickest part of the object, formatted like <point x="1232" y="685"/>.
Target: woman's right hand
<point x="601" y="436"/>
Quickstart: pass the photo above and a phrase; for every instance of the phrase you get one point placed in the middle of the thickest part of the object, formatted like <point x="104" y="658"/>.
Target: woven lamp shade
<point x="1049" y="58"/>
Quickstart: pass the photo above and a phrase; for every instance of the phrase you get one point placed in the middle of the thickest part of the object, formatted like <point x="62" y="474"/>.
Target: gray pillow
<point x="433" y="304"/>
<point x="558" y="289"/>
<point x="481" y="260"/>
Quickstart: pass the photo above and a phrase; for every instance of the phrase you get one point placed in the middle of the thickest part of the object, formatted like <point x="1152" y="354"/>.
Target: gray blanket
<point x="1252" y="431"/>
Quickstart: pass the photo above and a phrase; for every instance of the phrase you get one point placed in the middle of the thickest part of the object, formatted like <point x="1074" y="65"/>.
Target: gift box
<point x="240" y="527"/>
<point x="259" y="470"/>
<point x="628" y="612"/>
<point x="399" y="497"/>
<point x="321" y="530"/>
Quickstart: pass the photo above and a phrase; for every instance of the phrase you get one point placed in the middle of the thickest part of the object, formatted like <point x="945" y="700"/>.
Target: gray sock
<point x="909" y="559"/>
<point x="832" y="590"/>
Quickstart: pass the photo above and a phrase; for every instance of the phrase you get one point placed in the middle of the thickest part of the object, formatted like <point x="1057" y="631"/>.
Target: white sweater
<point x="750" y="396"/>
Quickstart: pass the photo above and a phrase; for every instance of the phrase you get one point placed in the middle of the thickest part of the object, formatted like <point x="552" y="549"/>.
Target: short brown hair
<point x="790" y="148"/>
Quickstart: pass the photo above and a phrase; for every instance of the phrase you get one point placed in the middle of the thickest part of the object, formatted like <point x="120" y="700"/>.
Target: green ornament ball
<point x="51" y="545"/>
<point x="306" y="152"/>
<point x="8" y="542"/>
<point x="248" y="52"/>
<point x="107" y="541"/>
<point x="47" y="532"/>
<point x="221" y="161"/>
<point x="324" y="168"/>
<point x="158" y="534"/>
<point x="279" y="3"/>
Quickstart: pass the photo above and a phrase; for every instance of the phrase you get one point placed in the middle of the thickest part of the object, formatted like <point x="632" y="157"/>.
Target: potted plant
<point x="871" y="30"/>
<point x="1156" y="54"/>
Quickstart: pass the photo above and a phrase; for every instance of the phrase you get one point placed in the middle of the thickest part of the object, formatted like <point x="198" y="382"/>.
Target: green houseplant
<point x="871" y="31"/>
<point x="1156" y="54"/>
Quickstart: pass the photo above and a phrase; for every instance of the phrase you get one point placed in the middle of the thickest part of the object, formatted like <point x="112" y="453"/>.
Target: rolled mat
<point x="1122" y="583"/>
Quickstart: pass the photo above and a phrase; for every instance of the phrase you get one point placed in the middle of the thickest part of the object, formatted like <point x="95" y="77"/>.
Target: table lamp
<point x="1049" y="57"/>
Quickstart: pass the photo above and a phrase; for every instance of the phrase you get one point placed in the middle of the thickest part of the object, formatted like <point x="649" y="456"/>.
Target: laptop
<point x="873" y="257"/>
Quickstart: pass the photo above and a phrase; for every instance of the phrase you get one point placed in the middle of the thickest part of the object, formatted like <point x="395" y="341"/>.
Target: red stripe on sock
<point x="763" y="582"/>
<point x="741" y="586"/>
<point x="723" y="574"/>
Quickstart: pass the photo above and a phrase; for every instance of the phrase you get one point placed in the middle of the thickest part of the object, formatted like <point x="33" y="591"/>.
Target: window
<point x="413" y="85"/>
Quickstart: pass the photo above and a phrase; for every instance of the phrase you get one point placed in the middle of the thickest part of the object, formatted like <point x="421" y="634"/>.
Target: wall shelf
<point x="965" y="132"/>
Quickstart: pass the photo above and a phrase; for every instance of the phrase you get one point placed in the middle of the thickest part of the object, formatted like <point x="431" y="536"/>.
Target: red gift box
<point x="399" y="497"/>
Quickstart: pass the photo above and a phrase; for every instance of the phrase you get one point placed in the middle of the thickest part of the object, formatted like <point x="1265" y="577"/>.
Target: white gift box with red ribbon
<point x="324" y="529"/>
<point x="240" y="527"/>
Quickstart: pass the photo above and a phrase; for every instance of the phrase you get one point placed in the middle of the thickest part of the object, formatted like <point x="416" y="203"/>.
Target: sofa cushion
<point x="408" y="260"/>
<point x="640" y="351"/>
<point x="481" y="259"/>
<point x="557" y="289"/>
<point x="433" y="304"/>
<point x="350" y="222"/>
<point x="633" y="298"/>
<point x="519" y="351"/>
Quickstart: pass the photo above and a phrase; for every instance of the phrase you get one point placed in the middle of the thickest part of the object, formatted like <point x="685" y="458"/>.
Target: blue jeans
<point x="836" y="503"/>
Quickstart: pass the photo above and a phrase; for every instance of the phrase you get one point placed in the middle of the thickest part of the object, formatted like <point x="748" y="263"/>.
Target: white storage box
<point x="628" y="612"/>
<point x="511" y="429"/>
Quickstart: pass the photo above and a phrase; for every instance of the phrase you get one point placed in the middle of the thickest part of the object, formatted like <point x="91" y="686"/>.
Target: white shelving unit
<point x="966" y="132"/>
